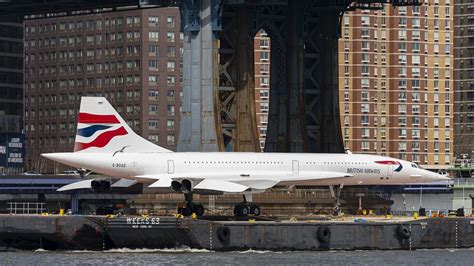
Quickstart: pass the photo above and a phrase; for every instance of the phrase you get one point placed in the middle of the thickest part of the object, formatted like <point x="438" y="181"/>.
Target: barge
<point x="228" y="233"/>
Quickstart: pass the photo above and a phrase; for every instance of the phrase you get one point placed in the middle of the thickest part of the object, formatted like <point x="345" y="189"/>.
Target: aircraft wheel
<point x="186" y="211"/>
<point x="241" y="210"/>
<point x="199" y="210"/>
<point x="237" y="210"/>
<point x="244" y="211"/>
<point x="255" y="210"/>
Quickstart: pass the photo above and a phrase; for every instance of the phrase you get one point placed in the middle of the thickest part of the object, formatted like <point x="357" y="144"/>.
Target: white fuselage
<point x="241" y="167"/>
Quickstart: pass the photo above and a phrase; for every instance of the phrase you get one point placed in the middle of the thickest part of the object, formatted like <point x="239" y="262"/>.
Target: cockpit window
<point x="414" y="165"/>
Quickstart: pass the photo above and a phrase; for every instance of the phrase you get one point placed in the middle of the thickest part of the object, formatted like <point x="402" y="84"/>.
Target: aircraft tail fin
<point x="100" y="129"/>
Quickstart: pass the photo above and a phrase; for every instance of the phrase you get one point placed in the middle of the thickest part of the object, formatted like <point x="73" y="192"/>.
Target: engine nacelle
<point x="100" y="185"/>
<point x="176" y="186"/>
<point x="187" y="185"/>
<point x="183" y="186"/>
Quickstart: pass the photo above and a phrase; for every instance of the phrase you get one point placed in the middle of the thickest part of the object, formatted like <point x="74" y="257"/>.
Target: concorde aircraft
<point x="106" y="144"/>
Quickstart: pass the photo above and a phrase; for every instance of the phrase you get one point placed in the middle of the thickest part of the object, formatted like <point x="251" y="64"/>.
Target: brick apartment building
<point x="396" y="82"/>
<point x="262" y="83"/>
<point x="133" y="58"/>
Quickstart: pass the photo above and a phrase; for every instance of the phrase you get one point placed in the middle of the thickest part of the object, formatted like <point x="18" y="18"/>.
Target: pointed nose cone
<point x="442" y="177"/>
<point x="431" y="176"/>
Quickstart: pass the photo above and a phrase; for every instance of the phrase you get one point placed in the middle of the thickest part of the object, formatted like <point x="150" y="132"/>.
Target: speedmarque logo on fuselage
<point x="390" y="162"/>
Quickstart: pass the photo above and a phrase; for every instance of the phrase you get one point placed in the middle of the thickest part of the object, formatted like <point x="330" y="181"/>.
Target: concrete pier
<point x="227" y="233"/>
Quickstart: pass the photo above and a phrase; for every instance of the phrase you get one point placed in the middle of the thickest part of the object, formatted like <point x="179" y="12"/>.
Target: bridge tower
<point x="218" y="111"/>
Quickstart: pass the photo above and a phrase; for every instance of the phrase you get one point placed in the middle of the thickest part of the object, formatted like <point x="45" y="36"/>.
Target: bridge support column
<point x="236" y="124"/>
<point x="296" y="126"/>
<point x="331" y="135"/>
<point x="200" y="20"/>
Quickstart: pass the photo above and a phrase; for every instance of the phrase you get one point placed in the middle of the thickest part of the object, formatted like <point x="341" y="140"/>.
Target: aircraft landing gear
<point x="336" y="194"/>
<point x="245" y="208"/>
<point x="188" y="207"/>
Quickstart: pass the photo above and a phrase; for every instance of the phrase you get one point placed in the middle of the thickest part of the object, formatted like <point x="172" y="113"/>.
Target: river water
<point x="186" y="256"/>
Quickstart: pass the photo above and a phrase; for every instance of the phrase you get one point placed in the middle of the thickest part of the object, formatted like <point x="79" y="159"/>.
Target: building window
<point x="402" y="46"/>
<point x="153" y="95"/>
<point x="402" y="96"/>
<point x="171" y="51"/>
<point x="136" y="20"/>
<point x="415" y="133"/>
<point x="365" y="70"/>
<point x="365" y="133"/>
<point x="365" y="145"/>
<point x="170" y="36"/>
<point x="170" y="139"/>
<point x="170" y="109"/>
<point x="402" y="146"/>
<point x="153" y="20"/>
<point x="416" y="47"/>
<point x="170" y="66"/>
<point x="153" y="49"/>
<point x="402" y="22"/>
<point x="153" y="138"/>
<point x="402" y="108"/>
<point x="415" y="109"/>
<point x="365" y="45"/>
<point x="170" y="124"/>
<point x="153" y="124"/>
<point x="365" y="57"/>
<point x="264" y="68"/>
<point x="170" y="22"/>
<point x="415" y="96"/>
<point x="264" y="43"/>
<point x="153" y="79"/>
<point x="170" y="95"/>
<point x="364" y="107"/>
<point x="415" y="71"/>
<point x="264" y="81"/>
<point x="153" y="36"/>
<point x="364" y="119"/>
<point x="264" y="107"/>
<point x="365" y="20"/>
<point x="264" y="94"/>
<point x="402" y="121"/>
<point x="153" y="64"/>
<point x="402" y="133"/>
<point x="402" y="34"/>
<point x="153" y="109"/>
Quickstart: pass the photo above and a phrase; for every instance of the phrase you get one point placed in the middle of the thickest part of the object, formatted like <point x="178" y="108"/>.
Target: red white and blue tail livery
<point x="97" y="131"/>
<point x="101" y="129"/>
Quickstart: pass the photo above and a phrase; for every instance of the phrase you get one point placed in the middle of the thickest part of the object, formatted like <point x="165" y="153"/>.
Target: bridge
<point x="218" y="75"/>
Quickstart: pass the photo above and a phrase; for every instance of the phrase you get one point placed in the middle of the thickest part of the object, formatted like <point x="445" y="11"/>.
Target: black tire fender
<point x="223" y="234"/>
<point x="324" y="234"/>
<point x="403" y="231"/>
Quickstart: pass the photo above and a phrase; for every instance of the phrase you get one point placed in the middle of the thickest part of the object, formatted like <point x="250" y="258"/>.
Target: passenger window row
<point x="339" y="163"/>
<point x="233" y="162"/>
